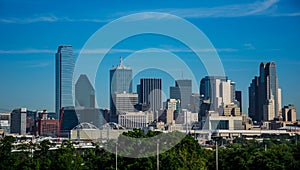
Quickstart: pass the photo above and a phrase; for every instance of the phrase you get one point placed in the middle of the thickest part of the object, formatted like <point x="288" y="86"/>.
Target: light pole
<point x="216" y="139"/>
<point x="157" y="155"/>
<point x="116" y="155"/>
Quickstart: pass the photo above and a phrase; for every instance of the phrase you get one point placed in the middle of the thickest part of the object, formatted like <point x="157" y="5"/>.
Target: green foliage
<point x="187" y="154"/>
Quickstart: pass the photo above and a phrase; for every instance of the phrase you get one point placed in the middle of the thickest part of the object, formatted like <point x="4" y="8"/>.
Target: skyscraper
<point x="84" y="92"/>
<point x="182" y="91"/>
<point x="150" y="93"/>
<point x="218" y="90"/>
<point x="269" y="87"/>
<point x="120" y="82"/>
<point x="64" y="68"/>
<point x="264" y="95"/>
<point x="253" y="110"/>
<point x="238" y="99"/>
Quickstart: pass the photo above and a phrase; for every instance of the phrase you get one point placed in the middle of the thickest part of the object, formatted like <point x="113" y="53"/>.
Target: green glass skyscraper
<point x="64" y="68"/>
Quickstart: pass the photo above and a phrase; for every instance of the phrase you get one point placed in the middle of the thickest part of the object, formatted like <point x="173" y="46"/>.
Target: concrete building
<point x="124" y="102"/>
<point x="18" y="121"/>
<point x="232" y="110"/>
<point x="216" y="122"/>
<point x="289" y="113"/>
<point x="131" y="120"/>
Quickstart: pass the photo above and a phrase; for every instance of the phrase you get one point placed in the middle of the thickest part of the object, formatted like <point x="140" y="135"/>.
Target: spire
<point x="121" y="64"/>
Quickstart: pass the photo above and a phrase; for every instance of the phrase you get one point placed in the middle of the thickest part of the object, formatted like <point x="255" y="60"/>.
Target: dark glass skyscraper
<point x="150" y="93"/>
<point x="263" y="94"/>
<point x="120" y="82"/>
<point x="182" y="91"/>
<point x="64" y="68"/>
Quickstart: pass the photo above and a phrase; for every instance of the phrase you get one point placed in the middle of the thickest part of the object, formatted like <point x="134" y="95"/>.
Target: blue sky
<point x="244" y="34"/>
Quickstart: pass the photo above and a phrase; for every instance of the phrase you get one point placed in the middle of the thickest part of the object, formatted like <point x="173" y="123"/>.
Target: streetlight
<point x="157" y="155"/>
<point x="216" y="139"/>
<point x="116" y="155"/>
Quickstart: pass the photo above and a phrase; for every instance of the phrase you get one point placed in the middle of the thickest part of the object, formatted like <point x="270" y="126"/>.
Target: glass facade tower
<point x="64" y="67"/>
<point x="120" y="82"/>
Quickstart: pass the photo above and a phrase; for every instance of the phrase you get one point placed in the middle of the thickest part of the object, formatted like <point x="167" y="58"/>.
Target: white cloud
<point x="26" y="51"/>
<point x="265" y="8"/>
<point x="102" y="51"/>
<point x="249" y="46"/>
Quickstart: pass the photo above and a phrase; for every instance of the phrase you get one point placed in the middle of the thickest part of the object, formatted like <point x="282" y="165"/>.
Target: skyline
<point x="31" y="36"/>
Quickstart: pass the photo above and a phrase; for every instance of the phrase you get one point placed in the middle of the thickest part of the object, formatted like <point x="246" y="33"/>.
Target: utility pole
<point x="217" y="156"/>
<point x="157" y="155"/>
<point x="116" y="155"/>
<point x="216" y="139"/>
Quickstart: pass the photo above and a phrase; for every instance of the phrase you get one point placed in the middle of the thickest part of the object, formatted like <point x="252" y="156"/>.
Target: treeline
<point x="187" y="154"/>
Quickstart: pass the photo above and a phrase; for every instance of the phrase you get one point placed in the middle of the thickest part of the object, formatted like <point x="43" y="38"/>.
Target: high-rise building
<point x="150" y="93"/>
<point x="264" y="96"/>
<point x="84" y="92"/>
<point x="238" y="98"/>
<point x="64" y="68"/>
<point x="216" y="89"/>
<point x="18" y="121"/>
<point x="207" y="85"/>
<point x="195" y="103"/>
<point x="182" y="91"/>
<point x="120" y="82"/>
<point x="253" y="110"/>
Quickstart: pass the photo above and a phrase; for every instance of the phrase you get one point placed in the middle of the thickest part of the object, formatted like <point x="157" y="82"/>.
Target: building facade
<point x="149" y="92"/>
<point x="84" y="92"/>
<point x="120" y="82"/>
<point x="289" y="113"/>
<point x="124" y="102"/>
<point x="182" y="91"/>
<point x="131" y="120"/>
<point x="64" y="68"/>
<point x="18" y="121"/>
<point x="264" y="94"/>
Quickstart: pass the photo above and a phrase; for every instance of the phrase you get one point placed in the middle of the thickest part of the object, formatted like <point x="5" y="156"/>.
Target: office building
<point x="131" y="120"/>
<point x="64" y="68"/>
<point x="216" y="89"/>
<point x="124" y="102"/>
<point x="238" y="99"/>
<point x="18" y="121"/>
<point x="264" y="96"/>
<point x="149" y="92"/>
<point x="195" y="103"/>
<point x="289" y="113"/>
<point x="182" y="91"/>
<point x="84" y="92"/>
<point x="253" y="110"/>
<point x="120" y="82"/>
